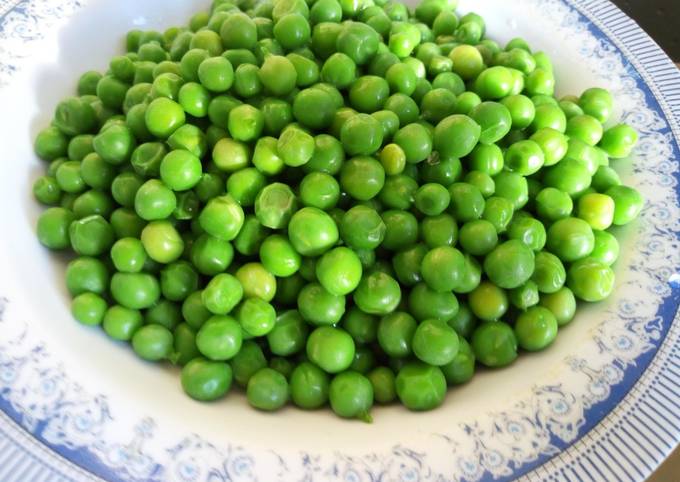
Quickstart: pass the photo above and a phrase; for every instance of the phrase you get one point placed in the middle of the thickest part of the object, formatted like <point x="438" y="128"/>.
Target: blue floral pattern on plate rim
<point x="624" y="424"/>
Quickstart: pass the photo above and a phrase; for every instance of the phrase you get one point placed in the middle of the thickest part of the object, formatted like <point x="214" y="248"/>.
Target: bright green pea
<point x="309" y="384"/>
<point x="416" y="142"/>
<point x="220" y="338"/>
<point x="570" y="239"/>
<point x="222" y="217"/>
<point x="339" y="271"/>
<point x="351" y="395"/>
<point x="206" y="380"/>
<point x="256" y="281"/>
<point x="320" y="307"/>
<point x="536" y="328"/>
<point x="53" y="228"/>
<point x="377" y="293"/>
<point x="163" y="116"/>
<point x="553" y="204"/>
<point x="435" y="342"/>
<point x="494" y="344"/>
<point x="91" y="235"/>
<point x="312" y="231"/>
<point x="420" y="386"/>
<point x="524" y="157"/>
<point x="256" y="316"/>
<point x="597" y="102"/>
<point x="279" y="257"/>
<point x="275" y="205"/>
<point x="456" y="136"/>
<point x="153" y="342"/>
<point x="606" y="249"/>
<point x="162" y="242"/>
<point x="562" y="304"/>
<point x="289" y="334"/>
<point x="88" y="308"/>
<point x="442" y="268"/>
<point x="332" y="349"/>
<point x="121" y="323"/>
<point x="135" y="290"/>
<point x="628" y="203"/>
<point x="278" y="75"/>
<point x="590" y="280"/>
<point x="128" y="255"/>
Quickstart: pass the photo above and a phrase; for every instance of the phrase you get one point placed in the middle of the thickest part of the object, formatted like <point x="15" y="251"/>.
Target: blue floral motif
<point x="42" y="397"/>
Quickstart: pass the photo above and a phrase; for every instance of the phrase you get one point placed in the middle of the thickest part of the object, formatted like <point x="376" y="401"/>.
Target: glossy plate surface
<point x="601" y="404"/>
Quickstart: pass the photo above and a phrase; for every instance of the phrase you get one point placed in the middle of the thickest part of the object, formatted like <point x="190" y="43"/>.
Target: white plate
<point x="601" y="404"/>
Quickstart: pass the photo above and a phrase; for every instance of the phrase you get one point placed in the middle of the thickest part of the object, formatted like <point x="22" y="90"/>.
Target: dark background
<point x="660" y="19"/>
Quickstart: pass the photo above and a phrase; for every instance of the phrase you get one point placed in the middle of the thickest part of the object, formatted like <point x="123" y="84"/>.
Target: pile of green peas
<point x="341" y="202"/>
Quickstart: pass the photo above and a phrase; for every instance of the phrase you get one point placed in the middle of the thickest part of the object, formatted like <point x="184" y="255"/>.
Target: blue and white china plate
<point x="602" y="404"/>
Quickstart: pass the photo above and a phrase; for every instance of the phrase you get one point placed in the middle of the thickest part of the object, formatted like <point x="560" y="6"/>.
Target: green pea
<point x="407" y="264"/>
<point x="362" y="228"/>
<point x="122" y="323"/>
<point x="536" y="328"/>
<point x="416" y="142"/>
<point x="570" y="239"/>
<point x="401" y="229"/>
<point x="278" y="75"/>
<point x="126" y="223"/>
<point x="435" y="342"/>
<point x="528" y="230"/>
<point x="513" y="187"/>
<point x="425" y="303"/>
<point x="361" y="326"/>
<point x="553" y="204"/>
<point x="597" y="102"/>
<point x="398" y="192"/>
<point x="267" y="390"/>
<point x="330" y="348"/>
<point x="245" y="185"/>
<point x="590" y="280"/>
<point x="247" y="362"/>
<point x="206" y="380"/>
<point x="494" y="344"/>
<point x="442" y="268"/>
<point x="606" y="248"/>
<point x="279" y="257"/>
<point x="309" y="386"/>
<point x="328" y="156"/>
<point x="351" y="395"/>
<point x="562" y="304"/>
<point x="312" y="231"/>
<point x="178" y="280"/>
<point x="256" y="281"/>
<point x="211" y="255"/>
<point x="53" y="228"/>
<point x="220" y="338"/>
<point x="628" y="203"/>
<point x="88" y="308"/>
<point x="377" y="293"/>
<point x="320" y="307"/>
<point x="193" y="310"/>
<point x="238" y="31"/>
<point x="91" y="235"/>
<point x="135" y="290"/>
<point x="456" y="136"/>
<point x="275" y="205"/>
<point x="222" y="217"/>
<point x="478" y="237"/>
<point x="153" y="342"/>
<point x="222" y="293"/>
<point x="163" y="116"/>
<point x="339" y="271"/>
<point x="420" y="386"/>
<point x="488" y="302"/>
